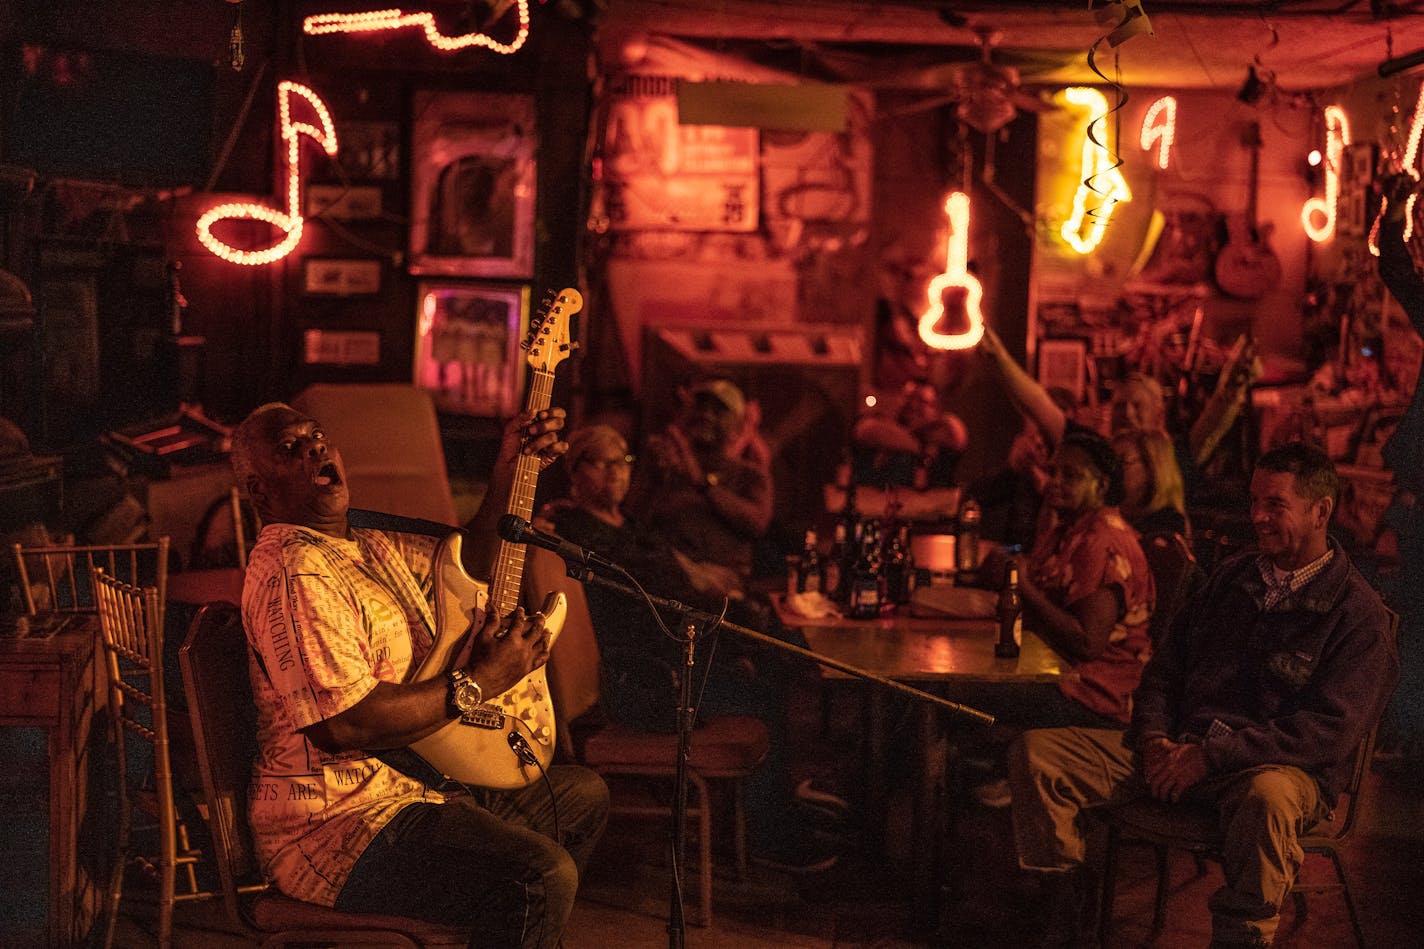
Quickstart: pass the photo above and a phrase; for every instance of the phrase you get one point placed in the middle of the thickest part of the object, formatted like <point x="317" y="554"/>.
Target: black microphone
<point x="517" y="530"/>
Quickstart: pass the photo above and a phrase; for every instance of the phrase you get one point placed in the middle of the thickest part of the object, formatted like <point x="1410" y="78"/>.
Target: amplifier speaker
<point x="807" y="378"/>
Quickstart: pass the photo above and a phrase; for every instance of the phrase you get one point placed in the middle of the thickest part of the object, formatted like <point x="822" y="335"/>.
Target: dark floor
<point x="863" y="901"/>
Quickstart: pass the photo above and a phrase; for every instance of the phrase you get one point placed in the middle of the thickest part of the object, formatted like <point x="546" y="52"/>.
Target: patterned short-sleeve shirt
<point x="323" y="627"/>
<point x="1069" y="562"/>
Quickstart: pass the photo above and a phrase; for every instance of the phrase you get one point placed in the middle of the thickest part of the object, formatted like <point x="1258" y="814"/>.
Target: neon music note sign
<point x="956" y="274"/>
<point x="289" y="221"/>
<point x="397" y="19"/>
<point x="1337" y="136"/>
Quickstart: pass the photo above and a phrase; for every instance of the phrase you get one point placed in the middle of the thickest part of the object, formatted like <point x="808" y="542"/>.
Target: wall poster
<point x="467" y="346"/>
<point x="473" y="185"/>
<point x="658" y="174"/>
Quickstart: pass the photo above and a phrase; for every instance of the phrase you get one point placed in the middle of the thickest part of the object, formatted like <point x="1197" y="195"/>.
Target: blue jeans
<point x="487" y="861"/>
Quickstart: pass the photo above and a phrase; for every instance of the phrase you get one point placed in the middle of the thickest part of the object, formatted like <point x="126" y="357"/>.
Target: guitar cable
<point x="525" y="753"/>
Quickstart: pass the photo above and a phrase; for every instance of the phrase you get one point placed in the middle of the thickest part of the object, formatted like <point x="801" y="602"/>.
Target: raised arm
<point x="1031" y="398"/>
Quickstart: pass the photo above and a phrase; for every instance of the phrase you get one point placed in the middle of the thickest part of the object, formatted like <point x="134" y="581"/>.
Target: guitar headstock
<point x="548" y="342"/>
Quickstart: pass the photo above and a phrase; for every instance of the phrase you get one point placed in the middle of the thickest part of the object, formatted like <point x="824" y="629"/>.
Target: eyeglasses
<point x="626" y="461"/>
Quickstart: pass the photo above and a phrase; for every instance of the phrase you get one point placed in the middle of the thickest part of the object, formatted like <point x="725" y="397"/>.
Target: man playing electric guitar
<point x="335" y="618"/>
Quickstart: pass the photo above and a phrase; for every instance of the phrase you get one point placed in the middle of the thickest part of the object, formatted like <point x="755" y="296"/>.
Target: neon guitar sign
<point x="377" y="20"/>
<point x="956" y="275"/>
<point x="289" y="221"/>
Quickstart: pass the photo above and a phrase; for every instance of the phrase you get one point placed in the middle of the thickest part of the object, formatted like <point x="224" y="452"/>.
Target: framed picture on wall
<point x="467" y="351"/>
<point x="1063" y="363"/>
<point x="473" y="180"/>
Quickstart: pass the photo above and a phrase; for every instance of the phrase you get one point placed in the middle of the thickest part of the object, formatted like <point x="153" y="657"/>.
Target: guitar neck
<point x="509" y="561"/>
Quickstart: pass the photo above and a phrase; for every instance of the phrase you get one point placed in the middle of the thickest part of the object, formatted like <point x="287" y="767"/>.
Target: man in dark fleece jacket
<point x="1255" y="704"/>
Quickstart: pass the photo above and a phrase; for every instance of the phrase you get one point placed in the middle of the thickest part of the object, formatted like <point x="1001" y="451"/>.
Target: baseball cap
<point x="723" y="391"/>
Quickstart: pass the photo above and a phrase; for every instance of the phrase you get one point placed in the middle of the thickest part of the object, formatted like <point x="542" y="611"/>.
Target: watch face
<point x="467" y="695"/>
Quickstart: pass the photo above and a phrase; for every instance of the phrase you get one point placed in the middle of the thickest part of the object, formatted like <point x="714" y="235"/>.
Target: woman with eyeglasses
<point x="638" y="659"/>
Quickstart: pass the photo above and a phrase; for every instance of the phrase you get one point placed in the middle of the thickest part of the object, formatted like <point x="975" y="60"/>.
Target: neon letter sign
<point x="1160" y="133"/>
<point x="956" y="274"/>
<point x="291" y="220"/>
<point x="1097" y="164"/>
<point x="396" y="19"/>
<point x="1337" y="136"/>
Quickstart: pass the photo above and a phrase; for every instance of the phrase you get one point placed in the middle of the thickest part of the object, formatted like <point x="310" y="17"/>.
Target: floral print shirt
<point x="1071" y="561"/>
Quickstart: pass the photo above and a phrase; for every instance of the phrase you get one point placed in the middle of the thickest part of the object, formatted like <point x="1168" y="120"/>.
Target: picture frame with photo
<point x="467" y="345"/>
<point x="473" y="183"/>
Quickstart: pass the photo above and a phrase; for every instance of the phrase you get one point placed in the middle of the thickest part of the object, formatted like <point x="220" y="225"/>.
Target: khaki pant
<point x="1057" y="773"/>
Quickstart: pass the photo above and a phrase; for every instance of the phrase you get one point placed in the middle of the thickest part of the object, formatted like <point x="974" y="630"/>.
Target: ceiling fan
<point x="986" y="90"/>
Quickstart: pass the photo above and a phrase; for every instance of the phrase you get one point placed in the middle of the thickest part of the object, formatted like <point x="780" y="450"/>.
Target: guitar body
<point x="1247" y="268"/>
<point x="484" y="752"/>
<point x="473" y="754"/>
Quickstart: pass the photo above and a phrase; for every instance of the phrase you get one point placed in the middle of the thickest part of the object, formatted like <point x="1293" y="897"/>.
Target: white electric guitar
<point x="490" y="754"/>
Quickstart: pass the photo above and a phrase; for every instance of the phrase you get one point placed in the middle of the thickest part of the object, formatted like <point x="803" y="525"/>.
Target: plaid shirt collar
<point x="1281" y="584"/>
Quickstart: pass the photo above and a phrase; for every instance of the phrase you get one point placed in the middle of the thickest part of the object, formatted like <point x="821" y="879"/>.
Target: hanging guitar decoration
<point x="1247" y="268"/>
<point x="956" y="275"/>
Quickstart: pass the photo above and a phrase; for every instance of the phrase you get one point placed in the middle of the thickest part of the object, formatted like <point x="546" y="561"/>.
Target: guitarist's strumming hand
<point x="507" y="649"/>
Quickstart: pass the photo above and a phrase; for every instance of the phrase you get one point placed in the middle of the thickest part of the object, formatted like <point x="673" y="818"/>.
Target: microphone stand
<point x="582" y="568"/>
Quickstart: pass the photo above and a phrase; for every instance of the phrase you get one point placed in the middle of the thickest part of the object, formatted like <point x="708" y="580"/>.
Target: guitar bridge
<point x="483" y="716"/>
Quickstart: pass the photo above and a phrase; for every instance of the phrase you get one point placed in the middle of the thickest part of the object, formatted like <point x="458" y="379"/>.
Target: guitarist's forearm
<point x="392" y="715"/>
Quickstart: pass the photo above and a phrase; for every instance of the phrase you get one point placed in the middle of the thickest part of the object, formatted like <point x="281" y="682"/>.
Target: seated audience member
<point x="1254" y="705"/>
<point x="705" y="482"/>
<point x="335" y="617"/>
<point x="1086" y="589"/>
<point x="907" y="438"/>
<point x="1154" y="498"/>
<point x="640" y="661"/>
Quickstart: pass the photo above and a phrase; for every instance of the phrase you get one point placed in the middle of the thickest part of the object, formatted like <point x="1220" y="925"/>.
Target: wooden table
<point x="932" y="653"/>
<point x="49" y="896"/>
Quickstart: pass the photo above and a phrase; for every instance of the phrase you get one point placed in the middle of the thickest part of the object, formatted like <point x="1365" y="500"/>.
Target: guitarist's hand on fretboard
<point x="507" y="649"/>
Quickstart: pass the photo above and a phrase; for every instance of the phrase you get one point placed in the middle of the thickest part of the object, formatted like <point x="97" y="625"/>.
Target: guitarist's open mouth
<point x="328" y="475"/>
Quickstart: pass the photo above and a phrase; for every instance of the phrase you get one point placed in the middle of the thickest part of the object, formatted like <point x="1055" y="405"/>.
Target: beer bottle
<point x="1010" y="612"/>
<point x="809" y="575"/>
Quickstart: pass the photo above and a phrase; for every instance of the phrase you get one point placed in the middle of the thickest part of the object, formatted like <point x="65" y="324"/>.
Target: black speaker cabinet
<point x="807" y="378"/>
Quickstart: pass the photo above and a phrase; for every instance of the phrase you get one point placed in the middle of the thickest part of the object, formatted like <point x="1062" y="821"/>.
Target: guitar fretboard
<point x="509" y="562"/>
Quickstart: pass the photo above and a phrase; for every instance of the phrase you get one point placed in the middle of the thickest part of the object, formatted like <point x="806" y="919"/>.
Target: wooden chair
<point x="725" y="749"/>
<point x="214" y="660"/>
<point x="62" y="572"/>
<point x="221" y="546"/>
<point x="1174" y="574"/>
<point x="1194" y="829"/>
<point x="131" y="631"/>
